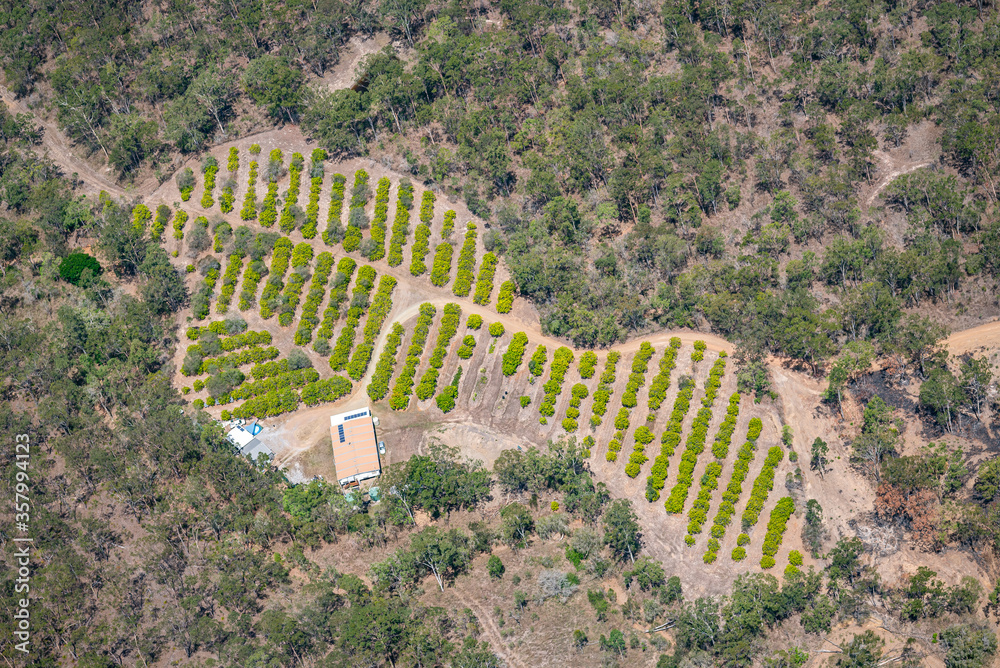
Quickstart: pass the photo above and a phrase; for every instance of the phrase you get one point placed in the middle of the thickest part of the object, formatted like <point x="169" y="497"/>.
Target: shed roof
<point x="240" y="437"/>
<point x="355" y="448"/>
<point x="247" y="444"/>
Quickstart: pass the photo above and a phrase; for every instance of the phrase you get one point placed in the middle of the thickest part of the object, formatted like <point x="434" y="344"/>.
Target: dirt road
<point x="893" y="175"/>
<point x="970" y="340"/>
<point x="57" y="147"/>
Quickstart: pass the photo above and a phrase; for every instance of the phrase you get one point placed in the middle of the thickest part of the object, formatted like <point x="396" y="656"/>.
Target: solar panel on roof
<point x="340" y="431"/>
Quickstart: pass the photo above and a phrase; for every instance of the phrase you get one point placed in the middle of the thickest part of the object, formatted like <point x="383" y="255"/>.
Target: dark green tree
<point x="272" y="83"/>
<point x="622" y="532"/>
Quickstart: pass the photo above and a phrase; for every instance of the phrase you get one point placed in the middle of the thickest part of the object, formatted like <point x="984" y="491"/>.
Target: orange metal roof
<point x="358" y="452"/>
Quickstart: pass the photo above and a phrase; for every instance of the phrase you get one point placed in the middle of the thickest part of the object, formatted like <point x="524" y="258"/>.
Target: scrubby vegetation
<point x="74" y="265"/>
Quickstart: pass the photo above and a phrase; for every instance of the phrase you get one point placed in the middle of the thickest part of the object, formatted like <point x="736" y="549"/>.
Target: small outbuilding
<point x="247" y="444"/>
<point x="355" y="447"/>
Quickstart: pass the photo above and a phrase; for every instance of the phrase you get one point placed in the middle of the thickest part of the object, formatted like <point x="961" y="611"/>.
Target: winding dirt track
<point x="892" y="174"/>
<point x="969" y="340"/>
<point x="490" y="629"/>
<point x="57" y="147"/>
